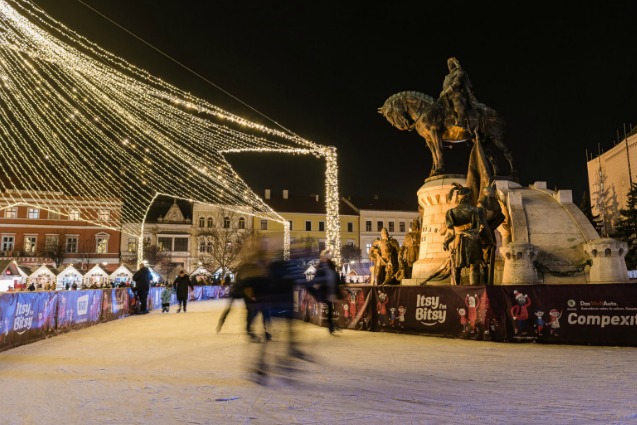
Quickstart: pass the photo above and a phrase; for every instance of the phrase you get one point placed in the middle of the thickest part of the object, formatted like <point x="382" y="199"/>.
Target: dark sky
<point x="563" y="75"/>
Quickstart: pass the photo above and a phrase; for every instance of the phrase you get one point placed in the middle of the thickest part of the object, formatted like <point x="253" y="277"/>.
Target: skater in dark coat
<point x="181" y="285"/>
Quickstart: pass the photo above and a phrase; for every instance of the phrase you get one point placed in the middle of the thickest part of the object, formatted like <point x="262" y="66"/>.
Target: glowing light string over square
<point x="80" y="127"/>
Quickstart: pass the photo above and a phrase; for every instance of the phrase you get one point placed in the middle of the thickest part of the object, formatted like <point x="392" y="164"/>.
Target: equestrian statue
<point x="455" y="117"/>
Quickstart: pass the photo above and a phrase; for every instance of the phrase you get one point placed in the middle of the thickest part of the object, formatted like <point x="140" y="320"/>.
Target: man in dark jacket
<point x="181" y="285"/>
<point x="142" y="279"/>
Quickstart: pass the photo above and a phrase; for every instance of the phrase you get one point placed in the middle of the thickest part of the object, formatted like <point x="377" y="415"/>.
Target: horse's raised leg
<point x="507" y="154"/>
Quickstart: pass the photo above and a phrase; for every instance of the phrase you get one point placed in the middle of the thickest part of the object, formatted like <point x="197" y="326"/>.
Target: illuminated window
<point x="165" y="243"/>
<point x="101" y="244"/>
<point x="53" y="215"/>
<point x="33" y="213"/>
<point x="74" y="215"/>
<point x="132" y="245"/>
<point x="11" y="212"/>
<point x="29" y="244"/>
<point x="104" y="215"/>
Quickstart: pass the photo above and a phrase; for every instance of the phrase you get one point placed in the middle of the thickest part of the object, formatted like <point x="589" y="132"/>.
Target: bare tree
<point x="351" y="253"/>
<point x="220" y="246"/>
<point x="56" y="251"/>
<point x="158" y="258"/>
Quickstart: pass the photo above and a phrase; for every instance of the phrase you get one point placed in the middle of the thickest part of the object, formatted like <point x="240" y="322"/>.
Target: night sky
<point x="563" y="75"/>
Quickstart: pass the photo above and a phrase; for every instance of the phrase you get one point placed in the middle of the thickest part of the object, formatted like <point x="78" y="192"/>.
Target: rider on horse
<point x="457" y="92"/>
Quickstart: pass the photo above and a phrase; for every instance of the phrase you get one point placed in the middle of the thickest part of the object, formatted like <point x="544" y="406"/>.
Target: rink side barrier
<point x="26" y="317"/>
<point x="581" y="314"/>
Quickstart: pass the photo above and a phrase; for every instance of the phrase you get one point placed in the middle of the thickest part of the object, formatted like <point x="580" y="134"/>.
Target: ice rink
<point x="174" y="369"/>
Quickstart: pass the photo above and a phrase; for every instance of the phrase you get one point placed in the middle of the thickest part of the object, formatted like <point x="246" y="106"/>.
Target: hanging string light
<point x="80" y="126"/>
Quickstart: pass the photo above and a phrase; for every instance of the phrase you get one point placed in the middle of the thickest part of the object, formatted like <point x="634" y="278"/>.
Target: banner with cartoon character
<point x="575" y="314"/>
<point x="79" y="309"/>
<point x="114" y="304"/>
<point x="8" y="304"/>
<point x="352" y="311"/>
<point x="458" y="311"/>
<point x="34" y="316"/>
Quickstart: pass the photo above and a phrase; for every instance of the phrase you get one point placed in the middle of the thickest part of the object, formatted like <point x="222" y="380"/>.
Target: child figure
<point x="165" y="298"/>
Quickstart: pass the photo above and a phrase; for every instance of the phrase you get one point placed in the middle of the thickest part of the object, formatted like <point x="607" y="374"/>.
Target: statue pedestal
<point x="432" y="198"/>
<point x="518" y="264"/>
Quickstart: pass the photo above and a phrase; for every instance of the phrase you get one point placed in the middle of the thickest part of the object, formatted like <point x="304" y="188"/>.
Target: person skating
<point x="181" y="285"/>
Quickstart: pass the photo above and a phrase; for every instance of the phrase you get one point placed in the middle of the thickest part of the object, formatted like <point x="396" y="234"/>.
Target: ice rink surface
<point x="175" y="369"/>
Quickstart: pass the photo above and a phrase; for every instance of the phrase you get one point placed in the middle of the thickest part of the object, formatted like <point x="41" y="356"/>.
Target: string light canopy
<point x="78" y="124"/>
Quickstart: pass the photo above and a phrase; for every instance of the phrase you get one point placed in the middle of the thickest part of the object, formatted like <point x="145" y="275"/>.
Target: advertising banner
<point x="8" y="304"/>
<point x="79" y="309"/>
<point x="35" y="316"/>
<point x="114" y="304"/>
<point x="570" y="314"/>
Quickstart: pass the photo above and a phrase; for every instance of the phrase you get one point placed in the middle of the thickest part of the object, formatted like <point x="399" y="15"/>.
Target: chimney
<point x="267" y="194"/>
<point x="317" y="198"/>
<point x="285" y="194"/>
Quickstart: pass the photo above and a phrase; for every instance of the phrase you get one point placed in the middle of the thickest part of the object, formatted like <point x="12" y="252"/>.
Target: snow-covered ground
<point x="174" y="369"/>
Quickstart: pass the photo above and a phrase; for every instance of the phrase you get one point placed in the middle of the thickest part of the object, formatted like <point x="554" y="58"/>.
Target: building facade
<point x="609" y="179"/>
<point x="376" y="213"/>
<point x="75" y="230"/>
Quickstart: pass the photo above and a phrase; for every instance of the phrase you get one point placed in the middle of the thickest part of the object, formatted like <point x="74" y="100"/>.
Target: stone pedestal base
<point x="518" y="264"/>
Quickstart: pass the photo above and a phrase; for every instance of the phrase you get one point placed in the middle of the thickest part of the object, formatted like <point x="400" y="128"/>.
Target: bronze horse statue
<point x="410" y="109"/>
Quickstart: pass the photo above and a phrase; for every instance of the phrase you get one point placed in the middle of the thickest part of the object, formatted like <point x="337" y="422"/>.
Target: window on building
<point x="226" y="222"/>
<point x="264" y="224"/>
<point x="101" y="244"/>
<point x="402" y="227"/>
<point x="202" y="221"/>
<point x="350" y="227"/>
<point x="242" y="223"/>
<point x="132" y="245"/>
<point x="53" y="215"/>
<point x="379" y="226"/>
<point x="290" y="223"/>
<point x="211" y="222"/>
<point x="104" y="215"/>
<point x="11" y="212"/>
<point x="74" y="215"/>
<point x="165" y="243"/>
<point x="321" y="245"/>
<point x="368" y="226"/>
<point x="33" y="213"/>
<point x="51" y="242"/>
<point x="209" y="247"/>
<point x="71" y="244"/>
<point x="7" y="243"/>
<point x="390" y="226"/>
<point x="308" y="226"/>
<point x="202" y="245"/>
<point x="350" y="243"/>
<point x="368" y="246"/>
<point x="181" y="244"/>
<point x="29" y="244"/>
<point x="321" y="226"/>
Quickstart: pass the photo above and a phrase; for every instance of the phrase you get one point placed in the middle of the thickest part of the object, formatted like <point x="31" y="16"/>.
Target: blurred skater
<point x="326" y="284"/>
<point x="236" y="293"/>
<point x="253" y="280"/>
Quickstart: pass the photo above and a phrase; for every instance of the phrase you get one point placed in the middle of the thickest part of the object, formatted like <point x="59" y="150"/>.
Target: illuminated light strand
<point x="77" y="118"/>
